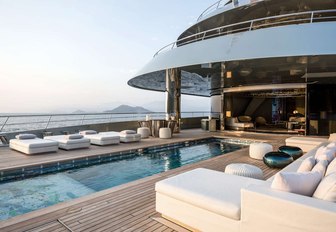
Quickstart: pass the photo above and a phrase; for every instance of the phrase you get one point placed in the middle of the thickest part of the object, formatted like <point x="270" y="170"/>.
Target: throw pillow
<point x="128" y="132"/>
<point x="326" y="190"/>
<point x="321" y="167"/>
<point x="323" y="153"/>
<point x="88" y="132"/>
<point x="331" y="167"/>
<point x="74" y="136"/>
<point x="300" y="183"/>
<point x="25" y="136"/>
<point x="307" y="164"/>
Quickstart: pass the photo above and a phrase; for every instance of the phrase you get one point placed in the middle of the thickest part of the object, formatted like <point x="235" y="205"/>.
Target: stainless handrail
<point x="200" y="36"/>
<point x="212" y="8"/>
<point x="17" y="123"/>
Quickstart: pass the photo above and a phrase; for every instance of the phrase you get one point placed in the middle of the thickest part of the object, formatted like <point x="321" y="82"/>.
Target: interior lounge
<point x="275" y="111"/>
<point x="277" y="95"/>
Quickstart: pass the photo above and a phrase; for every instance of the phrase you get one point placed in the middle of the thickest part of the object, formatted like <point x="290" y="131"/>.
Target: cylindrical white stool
<point x="258" y="150"/>
<point x="144" y="132"/>
<point x="165" y="133"/>
<point x="246" y="170"/>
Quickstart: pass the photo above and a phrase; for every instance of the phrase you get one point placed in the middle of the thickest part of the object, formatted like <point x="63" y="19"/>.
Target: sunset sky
<point x="65" y="55"/>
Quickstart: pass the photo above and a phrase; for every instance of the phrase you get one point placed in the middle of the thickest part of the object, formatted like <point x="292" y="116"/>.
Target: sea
<point x="26" y="122"/>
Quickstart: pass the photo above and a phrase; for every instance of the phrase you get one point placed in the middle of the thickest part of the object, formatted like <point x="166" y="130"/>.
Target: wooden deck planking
<point x="130" y="207"/>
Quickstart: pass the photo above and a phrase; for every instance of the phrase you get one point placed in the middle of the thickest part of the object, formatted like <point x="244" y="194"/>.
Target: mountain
<point x="128" y="109"/>
<point x="79" y="112"/>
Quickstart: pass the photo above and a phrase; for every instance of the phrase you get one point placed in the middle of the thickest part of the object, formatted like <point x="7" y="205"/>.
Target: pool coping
<point x="54" y="166"/>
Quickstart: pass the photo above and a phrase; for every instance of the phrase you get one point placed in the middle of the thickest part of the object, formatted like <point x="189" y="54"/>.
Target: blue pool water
<point x="19" y="197"/>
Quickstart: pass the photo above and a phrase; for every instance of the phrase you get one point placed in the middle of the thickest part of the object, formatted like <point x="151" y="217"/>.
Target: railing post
<point x="311" y="17"/>
<point x="251" y="25"/>
<point x="48" y="122"/>
<point x="3" y="125"/>
<point x="83" y="119"/>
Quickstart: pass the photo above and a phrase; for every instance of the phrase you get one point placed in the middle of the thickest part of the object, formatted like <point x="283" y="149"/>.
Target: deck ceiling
<point x="205" y="80"/>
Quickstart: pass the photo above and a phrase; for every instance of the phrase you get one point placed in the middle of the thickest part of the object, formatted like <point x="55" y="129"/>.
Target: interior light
<point x="228" y="74"/>
<point x="228" y="114"/>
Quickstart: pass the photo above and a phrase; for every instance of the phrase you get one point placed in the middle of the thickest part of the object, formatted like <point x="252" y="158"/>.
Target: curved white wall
<point x="291" y="40"/>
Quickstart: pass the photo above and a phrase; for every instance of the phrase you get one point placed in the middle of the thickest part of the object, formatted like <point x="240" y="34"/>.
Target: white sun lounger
<point x="126" y="136"/>
<point x="101" y="139"/>
<point x="70" y="142"/>
<point x="29" y="144"/>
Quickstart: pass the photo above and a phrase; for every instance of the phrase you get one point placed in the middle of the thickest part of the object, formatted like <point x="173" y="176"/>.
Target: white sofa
<point x="233" y="123"/>
<point x="208" y="200"/>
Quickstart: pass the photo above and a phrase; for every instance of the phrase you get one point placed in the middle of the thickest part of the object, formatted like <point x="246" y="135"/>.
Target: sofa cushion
<point x="214" y="191"/>
<point x="321" y="167"/>
<point x="25" y="136"/>
<point x="307" y="164"/>
<point x="331" y="167"/>
<point x="300" y="183"/>
<point x="324" y="153"/>
<point x="326" y="190"/>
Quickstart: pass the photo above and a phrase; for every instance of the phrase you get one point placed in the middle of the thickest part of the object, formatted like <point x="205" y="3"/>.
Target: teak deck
<point x="128" y="207"/>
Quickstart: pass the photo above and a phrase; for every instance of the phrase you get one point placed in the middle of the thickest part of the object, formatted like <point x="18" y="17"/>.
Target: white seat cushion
<point x="211" y="190"/>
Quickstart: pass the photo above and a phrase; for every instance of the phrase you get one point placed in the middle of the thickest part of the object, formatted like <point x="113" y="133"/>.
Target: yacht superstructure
<point x="274" y="59"/>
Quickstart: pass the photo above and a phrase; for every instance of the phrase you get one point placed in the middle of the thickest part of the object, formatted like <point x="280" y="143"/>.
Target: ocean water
<point x="22" y="122"/>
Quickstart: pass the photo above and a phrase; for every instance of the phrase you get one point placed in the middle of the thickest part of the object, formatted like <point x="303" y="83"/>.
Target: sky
<point x="66" y="55"/>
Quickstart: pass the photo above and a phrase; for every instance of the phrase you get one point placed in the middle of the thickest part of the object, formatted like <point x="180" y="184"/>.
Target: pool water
<point x="19" y="197"/>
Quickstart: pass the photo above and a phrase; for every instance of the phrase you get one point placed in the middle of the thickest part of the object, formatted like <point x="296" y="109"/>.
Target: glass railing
<point x="20" y="122"/>
<point x="274" y="21"/>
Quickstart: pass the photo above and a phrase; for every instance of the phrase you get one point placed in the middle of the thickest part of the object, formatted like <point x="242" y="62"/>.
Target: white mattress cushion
<point x="103" y="137"/>
<point x="211" y="190"/>
<point x="33" y="143"/>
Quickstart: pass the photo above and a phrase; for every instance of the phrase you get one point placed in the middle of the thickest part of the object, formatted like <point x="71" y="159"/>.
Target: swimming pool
<point x="22" y="196"/>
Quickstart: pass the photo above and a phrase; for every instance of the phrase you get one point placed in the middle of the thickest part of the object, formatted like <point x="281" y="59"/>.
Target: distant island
<point x="79" y="112"/>
<point x="128" y="109"/>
